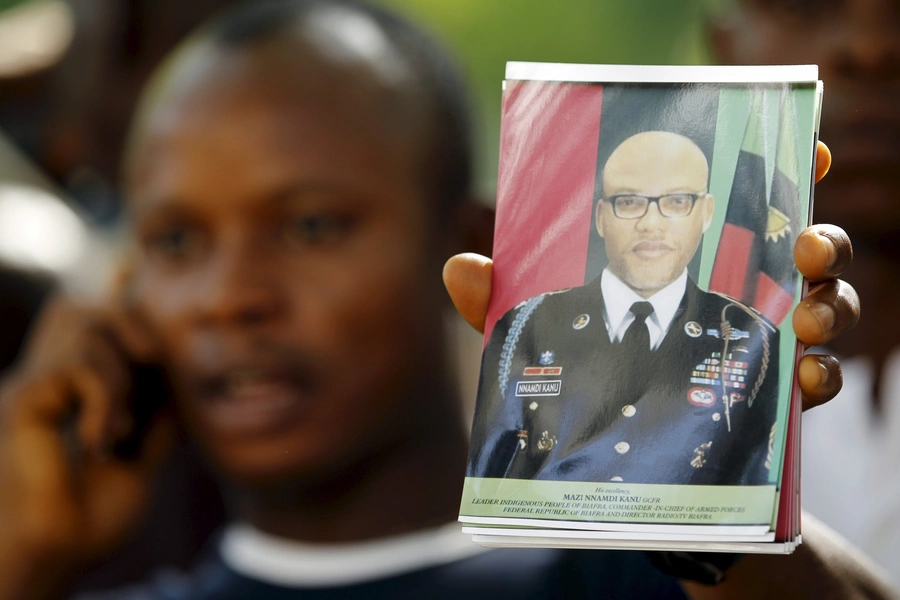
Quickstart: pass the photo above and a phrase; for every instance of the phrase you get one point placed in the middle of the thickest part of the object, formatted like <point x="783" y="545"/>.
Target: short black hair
<point x="449" y="154"/>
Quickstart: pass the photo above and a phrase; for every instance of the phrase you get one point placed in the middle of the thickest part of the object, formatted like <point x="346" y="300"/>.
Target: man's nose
<point x="652" y="219"/>
<point x="240" y="286"/>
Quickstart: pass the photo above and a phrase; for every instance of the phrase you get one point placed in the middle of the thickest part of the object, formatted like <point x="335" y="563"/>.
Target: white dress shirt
<point x="618" y="298"/>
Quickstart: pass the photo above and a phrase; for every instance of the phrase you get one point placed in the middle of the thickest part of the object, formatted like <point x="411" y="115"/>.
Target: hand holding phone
<point x="82" y="429"/>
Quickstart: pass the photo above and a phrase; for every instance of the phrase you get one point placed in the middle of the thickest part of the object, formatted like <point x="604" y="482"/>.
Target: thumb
<point x="468" y="281"/>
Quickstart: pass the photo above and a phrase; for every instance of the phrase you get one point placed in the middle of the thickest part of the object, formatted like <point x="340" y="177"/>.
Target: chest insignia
<point x="700" y="455"/>
<point x="547" y="357"/>
<point x="542" y="371"/>
<point x="735" y="397"/>
<point x="581" y="321"/>
<point x="715" y="371"/>
<point x="693" y="329"/>
<point x="736" y="334"/>
<point x="700" y="396"/>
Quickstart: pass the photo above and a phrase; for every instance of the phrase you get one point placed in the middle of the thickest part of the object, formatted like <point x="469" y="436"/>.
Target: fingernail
<point x="823" y="378"/>
<point x="824" y="315"/>
<point x="830" y="250"/>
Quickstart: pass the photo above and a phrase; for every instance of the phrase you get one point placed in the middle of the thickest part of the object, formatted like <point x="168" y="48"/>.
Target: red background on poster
<point x="548" y="166"/>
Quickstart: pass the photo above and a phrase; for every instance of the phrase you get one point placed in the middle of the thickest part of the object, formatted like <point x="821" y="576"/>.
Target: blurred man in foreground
<point x="854" y="444"/>
<point x="298" y="175"/>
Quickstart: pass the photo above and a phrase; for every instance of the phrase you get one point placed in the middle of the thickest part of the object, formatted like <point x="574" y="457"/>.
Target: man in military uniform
<point x="639" y="376"/>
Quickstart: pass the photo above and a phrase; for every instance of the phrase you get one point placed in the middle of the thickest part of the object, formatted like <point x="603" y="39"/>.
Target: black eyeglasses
<point x="635" y="206"/>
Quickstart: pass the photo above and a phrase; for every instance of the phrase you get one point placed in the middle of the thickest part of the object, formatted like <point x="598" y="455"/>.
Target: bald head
<point x="385" y="77"/>
<point x="655" y="159"/>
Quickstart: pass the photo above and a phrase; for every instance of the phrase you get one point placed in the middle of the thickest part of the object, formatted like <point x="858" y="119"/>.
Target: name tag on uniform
<point x="550" y="387"/>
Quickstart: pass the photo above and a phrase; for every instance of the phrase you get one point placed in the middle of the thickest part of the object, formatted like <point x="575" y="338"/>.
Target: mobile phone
<point x="150" y="393"/>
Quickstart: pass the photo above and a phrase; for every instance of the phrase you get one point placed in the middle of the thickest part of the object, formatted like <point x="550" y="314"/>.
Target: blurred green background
<point x="4" y="4"/>
<point x="484" y="34"/>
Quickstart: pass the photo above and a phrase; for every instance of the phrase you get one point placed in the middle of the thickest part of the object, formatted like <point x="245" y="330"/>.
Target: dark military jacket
<point x="558" y="401"/>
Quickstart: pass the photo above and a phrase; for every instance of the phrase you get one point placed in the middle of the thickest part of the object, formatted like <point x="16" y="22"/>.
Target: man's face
<point x="650" y="252"/>
<point x="856" y="44"/>
<point x="288" y="261"/>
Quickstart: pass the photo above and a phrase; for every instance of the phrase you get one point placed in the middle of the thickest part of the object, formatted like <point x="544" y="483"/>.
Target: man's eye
<point x="173" y="244"/>
<point x="317" y="229"/>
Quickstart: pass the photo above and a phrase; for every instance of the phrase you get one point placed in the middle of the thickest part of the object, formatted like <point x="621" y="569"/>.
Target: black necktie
<point x="637" y="337"/>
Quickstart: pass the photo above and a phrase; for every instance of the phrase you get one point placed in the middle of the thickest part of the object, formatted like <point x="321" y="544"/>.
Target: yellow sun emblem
<point x="778" y="225"/>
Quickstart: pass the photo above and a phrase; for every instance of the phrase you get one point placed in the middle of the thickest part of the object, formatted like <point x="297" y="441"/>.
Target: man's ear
<point x="709" y="209"/>
<point x="474" y="223"/>
<point x="598" y="218"/>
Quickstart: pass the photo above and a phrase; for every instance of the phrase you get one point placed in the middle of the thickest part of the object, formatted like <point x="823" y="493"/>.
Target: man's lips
<point x="252" y="399"/>
<point x="649" y="250"/>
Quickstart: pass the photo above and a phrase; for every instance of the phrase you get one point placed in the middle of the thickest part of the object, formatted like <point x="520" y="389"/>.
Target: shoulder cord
<point x="512" y="338"/>
<point x="726" y="330"/>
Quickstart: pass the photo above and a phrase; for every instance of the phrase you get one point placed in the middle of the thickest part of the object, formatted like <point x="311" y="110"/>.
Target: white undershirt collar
<point x="618" y="298"/>
<point x="289" y="563"/>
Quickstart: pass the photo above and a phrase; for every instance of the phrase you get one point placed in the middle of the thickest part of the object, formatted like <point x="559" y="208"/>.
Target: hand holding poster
<point x="636" y="386"/>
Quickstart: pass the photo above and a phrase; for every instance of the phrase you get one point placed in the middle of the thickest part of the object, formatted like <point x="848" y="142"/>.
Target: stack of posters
<point x="638" y="383"/>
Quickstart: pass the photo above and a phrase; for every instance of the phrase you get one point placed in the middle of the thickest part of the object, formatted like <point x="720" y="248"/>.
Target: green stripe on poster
<point x="731" y="121"/>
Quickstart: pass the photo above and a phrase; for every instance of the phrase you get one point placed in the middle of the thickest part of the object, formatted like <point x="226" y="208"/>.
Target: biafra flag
<point x="777" y="279"/>
<point x="739" y="255"/>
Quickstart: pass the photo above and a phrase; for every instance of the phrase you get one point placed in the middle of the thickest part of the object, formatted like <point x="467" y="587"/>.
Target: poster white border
<point x="539" y="71"/>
